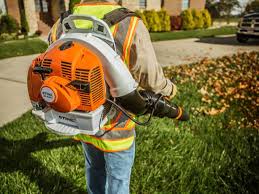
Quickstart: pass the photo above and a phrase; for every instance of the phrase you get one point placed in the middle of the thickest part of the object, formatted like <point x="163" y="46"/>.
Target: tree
<point x="212" y="7"/>
<point x="253" y="6"/>
<point x="219" y="8"/>
<point x="227" y="6"/>
<point x="8" y="24"/>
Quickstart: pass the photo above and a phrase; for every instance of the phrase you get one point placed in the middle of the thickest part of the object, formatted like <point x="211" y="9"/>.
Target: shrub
<point x="206" y="18"/>
<point x="143" y="18"/>
<point x="72" y="3"/>
<point x="164" y="20"/>
<point x="197" y="18"/>
<point x="153" y="21"/>
<point x="187" y="20"/>
<point x="176" y="22"/>
<point x="8" y="24"/>
<point x="7" y="37"/>
<point x="253" y="6"/>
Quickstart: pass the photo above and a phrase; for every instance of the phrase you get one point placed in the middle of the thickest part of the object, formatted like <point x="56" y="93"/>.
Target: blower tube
<point x="144" y="102"/>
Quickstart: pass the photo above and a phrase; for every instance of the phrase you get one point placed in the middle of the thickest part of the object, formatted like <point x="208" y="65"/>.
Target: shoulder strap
<point x="118" y="15"/>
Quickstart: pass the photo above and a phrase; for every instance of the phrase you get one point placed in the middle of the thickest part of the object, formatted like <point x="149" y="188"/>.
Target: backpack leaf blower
<point x="70" y="84"/>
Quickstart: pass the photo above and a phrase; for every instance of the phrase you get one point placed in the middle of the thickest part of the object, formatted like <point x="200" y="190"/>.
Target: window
<point x="37" y="5"/>
<point x="45" y="6"/>
<point x="185" y="4"/>
<point x="142" y="4"/>
<point x="41" y="6"/>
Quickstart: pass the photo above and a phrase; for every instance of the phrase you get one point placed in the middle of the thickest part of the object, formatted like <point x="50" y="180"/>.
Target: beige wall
<point x="197" y="4"/>
<point x="31" y="16"/>
<point x="173" y="7"/>
<point x="154" y="4"/>
<point x="131" y="4"/>
<point x="134" y="4"/>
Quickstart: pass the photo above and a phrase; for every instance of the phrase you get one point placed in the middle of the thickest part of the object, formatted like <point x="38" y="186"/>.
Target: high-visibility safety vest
<point x="118" y="134"/>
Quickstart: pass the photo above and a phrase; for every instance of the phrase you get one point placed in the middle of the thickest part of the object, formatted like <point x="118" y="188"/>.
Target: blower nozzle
<point x="144" y="102"/>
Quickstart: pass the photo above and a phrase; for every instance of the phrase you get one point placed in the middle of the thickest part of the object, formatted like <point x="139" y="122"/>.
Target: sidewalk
<point x="14" y="99"/>
<point x="186" y="51"/>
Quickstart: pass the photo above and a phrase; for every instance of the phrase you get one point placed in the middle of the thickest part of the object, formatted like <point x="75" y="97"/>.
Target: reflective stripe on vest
<point x="108" y="145"/>
<point x="129" y="38"/>
<point x="117" y="135"/>
<point x="124" y="37"/>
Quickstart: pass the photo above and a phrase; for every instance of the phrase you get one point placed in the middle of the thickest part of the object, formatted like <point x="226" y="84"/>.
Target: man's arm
<point x="145" y="67"/>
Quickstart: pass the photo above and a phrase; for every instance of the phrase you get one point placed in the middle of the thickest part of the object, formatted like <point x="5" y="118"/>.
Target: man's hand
<point x="173" y="93"/>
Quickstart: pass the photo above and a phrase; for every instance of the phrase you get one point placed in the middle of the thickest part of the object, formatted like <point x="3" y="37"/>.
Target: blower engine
<point x="71" y="83"/>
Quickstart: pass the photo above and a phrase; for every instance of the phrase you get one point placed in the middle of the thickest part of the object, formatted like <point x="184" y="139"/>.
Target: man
<point x="109" y="156"/>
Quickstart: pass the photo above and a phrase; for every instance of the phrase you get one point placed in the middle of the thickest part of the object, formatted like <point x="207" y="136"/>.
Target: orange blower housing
<point x="67" y="77"/>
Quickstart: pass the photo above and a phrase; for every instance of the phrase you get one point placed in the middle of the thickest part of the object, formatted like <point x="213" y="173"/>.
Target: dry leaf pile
<point x="224" y="82"/>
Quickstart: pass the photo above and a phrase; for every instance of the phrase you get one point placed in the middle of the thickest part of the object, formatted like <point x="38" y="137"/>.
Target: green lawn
<point x="192" y="34"/>
<point x="212" y="153"/>
<point x="21" y="47"/>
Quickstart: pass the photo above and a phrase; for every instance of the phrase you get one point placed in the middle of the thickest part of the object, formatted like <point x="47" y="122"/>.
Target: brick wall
<point x="13" y="9"/>
<point x="197" y="4"/>
<point x="173" y="7"/>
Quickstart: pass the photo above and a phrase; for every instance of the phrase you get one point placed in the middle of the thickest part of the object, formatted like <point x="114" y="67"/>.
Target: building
<point x="173" y="7"/>
<point x="141" y="4"/>
<point x="41" y="14"/>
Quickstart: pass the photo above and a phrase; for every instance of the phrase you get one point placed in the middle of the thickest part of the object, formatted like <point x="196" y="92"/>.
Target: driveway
<point x="14" y="99"/>
<point x="187" y="51"/>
